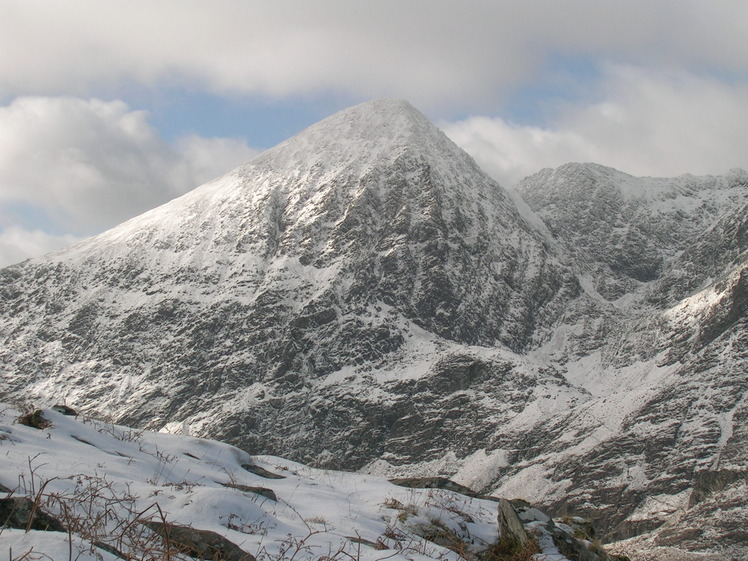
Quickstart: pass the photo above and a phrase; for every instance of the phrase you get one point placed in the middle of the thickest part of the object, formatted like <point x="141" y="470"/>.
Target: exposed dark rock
<point x="261" y="471"/>
<point x="434" y="483"/>
<point x="23" y="513"/>
<point x="113" y="550"/>
<point x="548" y="533"/>
<point x="511" y="531"/>
<point x="201" y="544"/>
<point x="709" y="482"/>
<point x="719" y="518"/>
<point x="65" y="410"/>
<point x="262" y="491"/>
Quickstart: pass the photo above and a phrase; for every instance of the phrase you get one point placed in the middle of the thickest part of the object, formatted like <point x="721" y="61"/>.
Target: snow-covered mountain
<point x="362" y="262"/>
<point x="664" y="433"/>
<point x="623" y="231"/>
<point x="362" y="296"/>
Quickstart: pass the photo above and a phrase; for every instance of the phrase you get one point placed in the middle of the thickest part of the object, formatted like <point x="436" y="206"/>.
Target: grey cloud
<point x="466" y="55"/>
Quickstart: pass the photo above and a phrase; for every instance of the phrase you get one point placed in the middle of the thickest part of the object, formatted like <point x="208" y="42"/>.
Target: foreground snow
<point x="100" y="480"/>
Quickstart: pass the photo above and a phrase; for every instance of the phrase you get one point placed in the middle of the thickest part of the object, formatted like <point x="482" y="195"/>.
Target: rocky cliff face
<point x="625" y="231"/>
<point x="362" y="296"/>
<point x="669" y="384"/>
<point x="314" y="287"/>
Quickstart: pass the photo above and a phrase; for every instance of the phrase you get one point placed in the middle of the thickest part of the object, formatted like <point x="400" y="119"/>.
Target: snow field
<point x="100" y="480"/>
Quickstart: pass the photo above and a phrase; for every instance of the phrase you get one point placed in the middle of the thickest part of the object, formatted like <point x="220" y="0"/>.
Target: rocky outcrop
<point x="65" y="410"/>
<point x="200" y="544"/>
<point x="512" y="534"/>
<point x="626" y="231"/>
<point x="261" y="471"/>
<point x="25" y="514"/>
<point x="523" y="527"/>
<point x="261" y="491"/>
<point x="434" y="483"/>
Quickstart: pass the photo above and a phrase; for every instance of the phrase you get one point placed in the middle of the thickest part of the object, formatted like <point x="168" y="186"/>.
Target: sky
<point x="108" y="109"/>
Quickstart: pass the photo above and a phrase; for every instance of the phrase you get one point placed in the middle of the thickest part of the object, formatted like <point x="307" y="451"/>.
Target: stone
<point x="202" y="544"/>
<point x="262" y="491"/>
<point x="22" y="513"/>
<point x="511" y="530"/>
<point x="262" y="472"/>
<point x="65" y="410"/>
<point x="434" y="483"/>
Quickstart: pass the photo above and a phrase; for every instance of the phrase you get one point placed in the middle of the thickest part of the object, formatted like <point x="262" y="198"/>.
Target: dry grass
<point x="507" y="550"/>
<point x="34" y="419"/>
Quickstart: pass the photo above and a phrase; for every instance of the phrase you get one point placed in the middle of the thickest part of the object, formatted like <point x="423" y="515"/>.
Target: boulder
<point x="262" y="472"/>
<point x="262" y="491"/>
<point x="65" y="410"/>
<point x="511" y="530"/>
<point x="22" y="513"/>
<point x="434" y="483"/>
<point x="201" y="544"/>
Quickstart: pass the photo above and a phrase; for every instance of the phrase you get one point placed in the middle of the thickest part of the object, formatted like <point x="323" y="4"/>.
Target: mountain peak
<point x="384" y="108"/>
<point x="378" y="115"/>
<point x="364" y="296"/>
<point x="361" y="137"/>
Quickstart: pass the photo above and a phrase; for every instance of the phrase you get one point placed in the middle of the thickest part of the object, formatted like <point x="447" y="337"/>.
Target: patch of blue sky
<point x="260" y="121"/>
<point x="30" y="217"/>
<point x="563" y="80"/>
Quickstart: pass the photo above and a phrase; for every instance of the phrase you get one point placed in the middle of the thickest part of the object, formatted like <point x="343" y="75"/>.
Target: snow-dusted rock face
<point x="668" y="384"/>
<point x="624" y="230"/>
<point x="362" y="296"/>
<point x="317" y="287"/>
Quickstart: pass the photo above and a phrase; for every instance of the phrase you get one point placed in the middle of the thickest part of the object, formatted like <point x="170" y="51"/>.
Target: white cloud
<point x="211" y="157"/>
<point x="645" y="123"/>
<point x="85" y="165"/>
<point x="17" y="244"/>
<point x="433" y="52"/>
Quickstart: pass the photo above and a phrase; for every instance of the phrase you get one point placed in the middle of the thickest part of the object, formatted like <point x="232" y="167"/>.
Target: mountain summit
<point x="368" y="241"/>
<point x="363" y="296"/>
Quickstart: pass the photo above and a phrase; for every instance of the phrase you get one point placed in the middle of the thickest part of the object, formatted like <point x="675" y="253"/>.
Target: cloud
<point x="433" y="52"/>
<point x="74" y="166"/>
<point x="17" y="244"/>
<point x="644" y="123"/>
<point x="212" y="157"/>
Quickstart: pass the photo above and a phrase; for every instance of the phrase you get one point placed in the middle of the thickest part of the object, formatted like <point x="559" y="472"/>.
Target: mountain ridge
<point x="363" y="296"/>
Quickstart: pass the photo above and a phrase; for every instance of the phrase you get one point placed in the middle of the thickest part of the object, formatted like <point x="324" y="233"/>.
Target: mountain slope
<point x="669" y="382"/>
<point x="368" y="249"/>
<point x="111" y="492"/>
<point x="364" y="297"/>
<point x="113" y="488"/>
<point x="624" y="230"/>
